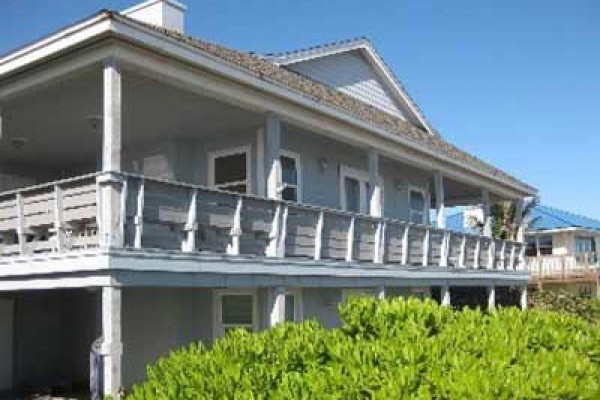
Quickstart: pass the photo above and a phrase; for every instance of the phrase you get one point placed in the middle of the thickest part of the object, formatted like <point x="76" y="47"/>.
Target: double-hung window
<point x="230" y="169"/>
<point x="291" y="176"/>
<point x="417" y="205"/>
<point x="235" y="309"/>
<point x="354" y="189"/>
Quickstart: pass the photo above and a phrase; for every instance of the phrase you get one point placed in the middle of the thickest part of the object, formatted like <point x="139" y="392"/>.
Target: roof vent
<point x="167" y="14"/>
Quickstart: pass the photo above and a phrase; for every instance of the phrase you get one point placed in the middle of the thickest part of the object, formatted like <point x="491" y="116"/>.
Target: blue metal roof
<point x="543" y="217"/>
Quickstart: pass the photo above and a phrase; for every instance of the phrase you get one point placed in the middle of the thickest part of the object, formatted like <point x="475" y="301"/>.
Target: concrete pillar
<point x="491" y="293"/>
<point x="487" y="214"/>
<point x="276" y="305"/>
<point x="272" y="156"/>
<point x="445" y="292"/>
<point x="376" y="186"/>
<point x="111" y="144"/>
<point x="523" y="297"/>
<point x="439" y="200"/>
<point x="112" y="346"/>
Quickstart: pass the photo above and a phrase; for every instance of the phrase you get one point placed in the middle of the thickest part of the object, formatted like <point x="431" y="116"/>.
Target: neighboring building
<point x="562" y="251"/>
<point x="562" y="248"/>
<point x="159" y="189"/>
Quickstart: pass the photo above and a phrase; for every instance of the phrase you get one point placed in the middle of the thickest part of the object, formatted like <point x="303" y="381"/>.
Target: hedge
<point x="392" y="349"/>
<point x="566" y="302"/>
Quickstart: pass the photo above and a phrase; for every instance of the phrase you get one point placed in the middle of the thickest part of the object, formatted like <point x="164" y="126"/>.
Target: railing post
<point x="477" y="254"/>
<point x="379" y="245"/>
<point x="426" y="248"/>
<point x="491" y="254"/>
<point x="405" y="244"/>
<point x="191" y="226"/>
<point x="513" y="251"/>
<point x="139" y="216"/>
<point x="274" y="246"/>
<point x="463" y="252"/>
<point x="445" y="249"/>
<point x="502" y="255"/>
<point x="236" y="229"/>
<point x="350" y="242"/>
<point x="21" y="224"/>
<point x="59" y="230"/>
<point x="319" y="235"/>
<point x="283" y="233"/>
<point x="111" y="209"/>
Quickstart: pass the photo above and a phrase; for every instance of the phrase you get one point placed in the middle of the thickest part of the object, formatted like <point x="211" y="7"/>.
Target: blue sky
<point x="516" y="82"/>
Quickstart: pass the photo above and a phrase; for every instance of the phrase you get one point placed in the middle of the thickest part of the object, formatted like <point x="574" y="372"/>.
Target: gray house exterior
<point x="156" y="189"/>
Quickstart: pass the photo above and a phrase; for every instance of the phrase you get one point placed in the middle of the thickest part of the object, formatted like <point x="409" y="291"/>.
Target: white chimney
<point x="167" y="14"/>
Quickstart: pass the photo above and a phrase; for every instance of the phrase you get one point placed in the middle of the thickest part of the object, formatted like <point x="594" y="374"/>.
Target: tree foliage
<point x="392" y="349"/>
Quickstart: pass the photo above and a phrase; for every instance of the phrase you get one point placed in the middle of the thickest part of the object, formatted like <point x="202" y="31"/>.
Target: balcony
<point x="563" y="268"/>
<point x="159" y="215"/>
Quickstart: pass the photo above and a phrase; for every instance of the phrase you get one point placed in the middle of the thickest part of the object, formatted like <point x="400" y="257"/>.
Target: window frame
<point x="298" y="304"/>
<point x="363" y="179"/>
<point x="231" y="151"/>
<point x="219" y="328"/>
<point x="297" y="159"/>
<point x="424" y="212"/>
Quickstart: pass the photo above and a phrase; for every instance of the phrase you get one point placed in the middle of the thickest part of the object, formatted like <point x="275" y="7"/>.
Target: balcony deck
<point x="158" y="215"/>
<point x="563" y="268"/>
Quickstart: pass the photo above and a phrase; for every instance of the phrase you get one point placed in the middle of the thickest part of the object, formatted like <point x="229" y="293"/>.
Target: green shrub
<point x="392" y="349"/>
<point x="565" y="302"/>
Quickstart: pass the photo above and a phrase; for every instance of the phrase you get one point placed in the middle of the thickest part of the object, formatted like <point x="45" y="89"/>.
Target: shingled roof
<point x="272" y="73"/>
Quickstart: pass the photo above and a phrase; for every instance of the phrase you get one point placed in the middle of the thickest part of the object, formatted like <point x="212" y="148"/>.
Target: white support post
<point x="462" y="258"/>
<point x="491" y="301"/>
<point x="20" y="224"/>
<point x="379" y="245"/>
<point x="273" y="246"/>
<point x="487" y="213"/>
<point x="520" y="237"/>
<point x="276" y="306"/>
<point x="272" y="156"/>
<point x="111" y="185"/>
<point x="445" y="250"/>
<point x="522" y="261"/>
<point x="139" y="216"/>
<point x="381" y="293"/>
<point x="112" y="346"/>
<point x="405" y="243"/>
<point x="261" y="188"/>
<point x="426" y="248"/>
<point x="440" y="206"/>
<point x="191" y="225"/>
<point x="523" y="297"/>
<point x="376" y="192"/>
<point x="59" y="229"/>
<point x="503" y="255"/>
<point x="350" y="242"/>
<point x="319" y="235"/>
<point x="513" y="256"/>
<point x="446" y="301"/>
<point x="236" y="229"/>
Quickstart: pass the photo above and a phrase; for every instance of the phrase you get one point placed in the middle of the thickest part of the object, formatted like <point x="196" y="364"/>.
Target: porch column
<point x="520" y="237"/>
<point x="272" y="157"/>
<point x="110" y="184"/>
<point x="487" y="215"/>
<point x="446" y="301"/>
<point x="276" y="306"/>
<point x="523" y="297"/>
<point x="381" y="292"/>
<point x="439" y="200"/>
<point x="112" y="346"/>
<point x="376" y="186"/>
<point x="491" y="293"/>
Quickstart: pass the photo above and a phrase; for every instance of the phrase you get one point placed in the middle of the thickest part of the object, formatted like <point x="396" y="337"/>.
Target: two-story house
<point x="562" y="251"/>
<point x="158" y="189"/>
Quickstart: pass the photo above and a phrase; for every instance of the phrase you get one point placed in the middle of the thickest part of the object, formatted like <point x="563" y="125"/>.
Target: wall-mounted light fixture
<point x="322" y="162"/>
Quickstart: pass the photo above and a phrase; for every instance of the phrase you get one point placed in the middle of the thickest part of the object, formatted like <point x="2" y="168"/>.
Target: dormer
<point x="355" y="68"/>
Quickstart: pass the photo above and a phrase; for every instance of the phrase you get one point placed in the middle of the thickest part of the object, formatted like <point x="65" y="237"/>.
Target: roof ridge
<point x="569" y="213"/>
<point x="320" y="46"/>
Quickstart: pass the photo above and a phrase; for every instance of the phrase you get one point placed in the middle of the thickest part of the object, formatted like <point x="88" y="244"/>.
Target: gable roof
<point x="366" y="48"/>
<point x="549" y="218"/>
<point x="327" y="99"/>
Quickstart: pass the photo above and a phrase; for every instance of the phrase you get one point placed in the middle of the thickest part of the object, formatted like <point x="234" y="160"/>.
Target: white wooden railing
<point x="563" y="267"/>
<point x="167" y="215"/>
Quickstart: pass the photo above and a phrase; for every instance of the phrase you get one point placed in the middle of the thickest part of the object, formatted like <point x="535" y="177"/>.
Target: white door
<point x="6" y="343"/>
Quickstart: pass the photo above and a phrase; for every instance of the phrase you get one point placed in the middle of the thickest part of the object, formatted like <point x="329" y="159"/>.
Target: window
<point x="230" y="169"/>
<point x="354" y="189"/>
<point x="584" y="245"/>
<point x="541" y="242"/>
<point x="235" y="309"/>
<point x="293" y="306"/>
<point x="291" y="176"/>
<point x="417" y="205"/>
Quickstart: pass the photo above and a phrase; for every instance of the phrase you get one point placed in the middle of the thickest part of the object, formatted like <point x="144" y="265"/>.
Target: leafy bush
<point x="562" y="301"/>
<point x="392" y="349"/>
